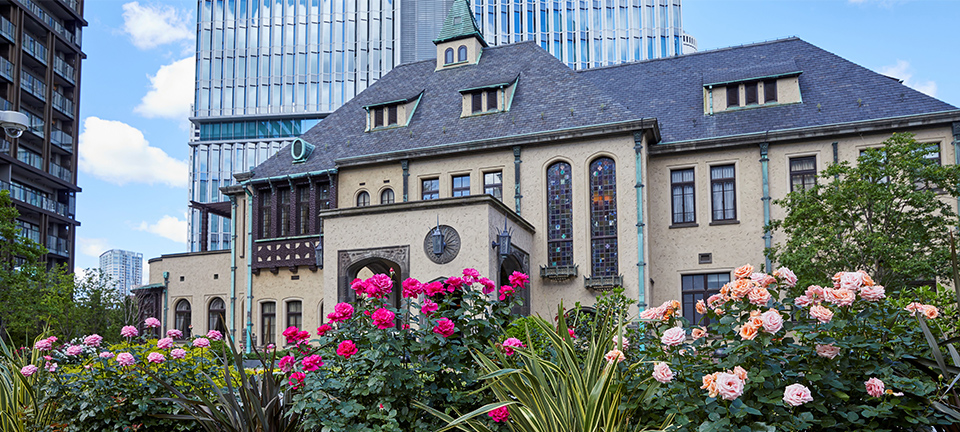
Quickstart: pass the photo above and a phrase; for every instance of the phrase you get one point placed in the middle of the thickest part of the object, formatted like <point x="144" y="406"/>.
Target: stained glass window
<point x="559" y="215"/>
<point x="603" y="217"/>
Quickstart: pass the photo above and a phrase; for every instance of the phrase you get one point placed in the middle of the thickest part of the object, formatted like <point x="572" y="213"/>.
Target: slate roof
<point x="833" y="90"/>
<point x="549" y="96"/>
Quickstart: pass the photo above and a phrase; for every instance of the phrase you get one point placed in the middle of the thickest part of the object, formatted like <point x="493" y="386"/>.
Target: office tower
<point x="269" y="70"/>
<point x="40" y="77"/>
<point x="124" y="268"/>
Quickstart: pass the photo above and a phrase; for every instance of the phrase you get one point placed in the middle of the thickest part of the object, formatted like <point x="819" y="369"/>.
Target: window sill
<point x="725" y="222"/>
<point x="685" y="225"/>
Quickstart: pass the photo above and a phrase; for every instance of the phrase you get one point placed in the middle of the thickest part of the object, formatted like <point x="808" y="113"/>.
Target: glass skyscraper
<point x="268" y="70"/>
<point x="124" y="268"/>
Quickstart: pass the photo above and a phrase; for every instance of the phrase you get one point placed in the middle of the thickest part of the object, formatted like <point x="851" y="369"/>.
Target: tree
<point x="889" y="215"/>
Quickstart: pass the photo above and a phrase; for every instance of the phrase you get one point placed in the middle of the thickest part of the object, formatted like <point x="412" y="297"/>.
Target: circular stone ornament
<point x="451" y="240"/>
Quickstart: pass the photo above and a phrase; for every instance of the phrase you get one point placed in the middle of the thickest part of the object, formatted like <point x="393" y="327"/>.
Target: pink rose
<point x="786" y="276"/>
<point x="849" y="281"/>
<point x="28" y="370"/>
<point x="178" y="354"/>
<point x="74" y="350"/>
<point x="174" y="333"/>
<point x="500" y="414"/>
<point x="510" y="344"/>
<point x="50" y="367"/>
<point x="518" y="280"/>
<point x="296" y="380"/>
<point x="573" y="334"/>
<point x="214" y="335"/>
<point x="505" y="291"/>
<point x="201" y="343"/>
<point x="444" y="328"/>
<point x="346" y="349"/>
<point x="312" y="363"/>
<point x="323" y="329"/>
<point x="874" y="387"/>
<point x="662" y="372"/>
<point x="93" y="340"/>
<point x="930" y="311"/>
<point x="411" y="288"/>
<point x="129" y="331"/>
<point x="384" y="319"/>
<point x="433" y="288"/>
<point x="614" y="356"/>
<point x="341" y="312"/>
<point x="729" y="385"/>
<point x="156" y="357"/>
<point x="429" y="307"/>
<point x="674" y="336"/>
<point x="759" y="296"/>
<point x="872" y="293"/>
<point x="470" y="275"/>
<point x="165" y="343"/>
<point x="716" y="300"/>
<point x="802" y="301"/>
<point x="151" y="322"/>
<point x="814" y="293"/>
<point x="821" y="313"/>
<point x="762" y="279"/>
<point x="126" y="359"/>
<point x="379" y="286"/>
<point x="43" y="345"/>
<point x="772" y="321"/>
<point x="796" y="395"/>
<point x="829" y="351"/>
<point x="653" y="313"/>
<point x="488" y="285"/>
<point x="914" y="307"/>
<point x="840" y="297"/>
<point x="620" y="342"/>
<point x="698" y="332"/>
<point x="106" y="355"/>
<point x="286" y="363"/>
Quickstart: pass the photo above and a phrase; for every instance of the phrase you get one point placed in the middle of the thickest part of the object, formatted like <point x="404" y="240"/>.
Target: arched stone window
<point x="216" y="315"/>
<point x="448" y="56"/>
<point x="462" y="53"/>
<point x="363" y="199"/>
<point x="559" y="215"/>
<point x="387" y="196"/>
<point x="603" y="218"/>
<point x="181" y="320"/>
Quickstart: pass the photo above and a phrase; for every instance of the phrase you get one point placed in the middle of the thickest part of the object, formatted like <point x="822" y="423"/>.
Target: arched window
<point x="216" y="315"/>
<point x="462" y="53"/>
<point x="559" y="215"/>
<point x="181" y="319"/>
<point x="363" y="199"/>
<point x="386" y="197"/>
<point x="294" y="313"/>
<point x="268" y="323"/>
<point x="603" y="217"/>
<point x="448" y="56"/>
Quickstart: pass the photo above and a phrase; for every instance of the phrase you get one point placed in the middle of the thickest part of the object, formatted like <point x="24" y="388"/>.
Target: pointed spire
<point x="459" y="24"/>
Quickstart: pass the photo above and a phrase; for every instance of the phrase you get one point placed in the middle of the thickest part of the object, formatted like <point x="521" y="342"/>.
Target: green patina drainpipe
<point x="767" y="235"/>
<point x="248" y="342"/>
<point x="233" y="266"/>
<point x="405" y="165"/>
<point x="641" y="264"/>
<point x="956" y="152"/>
<point x="516" y="176"/>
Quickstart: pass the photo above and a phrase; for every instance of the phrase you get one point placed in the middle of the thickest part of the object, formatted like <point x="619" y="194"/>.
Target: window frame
<point x="611" y="265"/>
<point x="363" y="199"/>
<point x="294" y="314"/>
<point x="182" y="317"/>
<point x="693" y="198"/>
<point x="424" y="191"/>
<point x="303" y="210"/>
<point x="732" y="181"/>
<point x="801" y="173"/>
<point x="448" y="56"/>
<point x="459" y="191"/>
<point x="268" y="337"/>
<point x="283" y="212"/>
<point x="266" y="213"/>
<point x="689" y="308"/>
<point x="766" y="93"/>
<point x="735" y="95"/>
<point x="476" y="102"/>
<point x="384" y="200"/>
<point x="220" y="323"/>
<point x="559" y="210"/>
<point x="498" y="187"/>
<point x="462" y="53"/>
<point x="751" y="90"/>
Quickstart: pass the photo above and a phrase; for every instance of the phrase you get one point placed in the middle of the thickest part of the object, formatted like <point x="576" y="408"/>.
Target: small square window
<point x="769" y="91"/>
<point x="430" y="189"/>
<point x="461" y="185"/>
<point x="733" y="95"/>
<point x="476" y="102"/>
<point x="492" y="100"/>
<point x="493" y="184"/>
<point x="750" y="90"/>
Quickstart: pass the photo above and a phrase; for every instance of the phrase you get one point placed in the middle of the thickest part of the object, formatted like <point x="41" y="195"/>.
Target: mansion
<point x="656" y="176"/>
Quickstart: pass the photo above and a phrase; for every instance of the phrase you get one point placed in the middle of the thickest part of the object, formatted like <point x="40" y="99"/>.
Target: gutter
<point x="248" y="340"/>
<point x="289" y="177"/>
<point x="233" y="267"/>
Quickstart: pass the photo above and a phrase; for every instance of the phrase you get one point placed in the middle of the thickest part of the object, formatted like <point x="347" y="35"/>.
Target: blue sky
<point x="137" y="85"/>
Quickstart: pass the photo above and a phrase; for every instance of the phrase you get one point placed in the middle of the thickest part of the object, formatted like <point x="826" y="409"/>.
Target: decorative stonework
<point x="350" y="262"/>
<point x="451" y="240"/>
<point x="285" y="253"/>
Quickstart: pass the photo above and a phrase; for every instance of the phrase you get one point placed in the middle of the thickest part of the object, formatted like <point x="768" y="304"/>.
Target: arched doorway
<point x="516" y="262"/>
<point x="364" y="263"/>
<point x="366" y="268"/>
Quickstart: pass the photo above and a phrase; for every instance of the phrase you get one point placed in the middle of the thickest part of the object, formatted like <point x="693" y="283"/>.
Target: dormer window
<point x="484" y="101"/>
<point x="448" y="56"/>
<point x="462" y="53"/>
<point x="773" y="89"/>
<point x="488" y="99"/>
<point x="391" y="114"/>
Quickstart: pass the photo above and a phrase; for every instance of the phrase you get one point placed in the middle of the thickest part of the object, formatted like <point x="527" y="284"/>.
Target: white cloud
<point x="903" y="71"/>
<point x="169" y="227"/>
<point x="171" y="93"/>
<point x="93" y="246"/>
<point x="118" y="153"/>
<point x="153" y="25"/>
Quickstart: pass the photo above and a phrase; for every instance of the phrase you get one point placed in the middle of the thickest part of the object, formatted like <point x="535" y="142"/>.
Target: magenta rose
<point x="411" y="288"/>
<point x="28" y="370"/>
<point x="346" y="349"/>
<point x="510" y="344"/>
<point x="506" y="291"/>
<point x="383" y="318"/>
<point x="341" y="312"/>
<point x="156" y="357"/>
<point x="444" y="328"/>
<point x="286" y="363"/>
<point x="429" y="307"/>
<point x="499" y="414"/>
<point x="312" y="363"/>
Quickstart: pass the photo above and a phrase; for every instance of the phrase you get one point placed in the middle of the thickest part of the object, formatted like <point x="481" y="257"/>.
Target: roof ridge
<point x="715" y="50"/>
<point x="434" y="59"/>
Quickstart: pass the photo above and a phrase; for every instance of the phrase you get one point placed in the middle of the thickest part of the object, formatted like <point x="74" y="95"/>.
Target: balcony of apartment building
<point x="40" y="201"/>
<point x="7" y="30"/>
<point x="34" y="86"/>
<point x="58" y="16"/>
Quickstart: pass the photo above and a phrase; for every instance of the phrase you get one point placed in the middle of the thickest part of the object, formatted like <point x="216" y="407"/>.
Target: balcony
<point x="6" y="69"/>
<point x="58" y="246"/>
<point x="35" y="48"/>
<point x="61" y="139"/>
<point x="33" y="85"/>
<point x="61" y="172"/>
<point x="62" y="68"/>
<point x="5" y="146"/>
<point x="30" y="158"/>
<point x="51" y="21"/>
<point x="63" y="104"/>
<point x="36" y="122"/>
<point x="5" y="105"/>
<point x="8" y="30"/>
<point x="34" y="198"/>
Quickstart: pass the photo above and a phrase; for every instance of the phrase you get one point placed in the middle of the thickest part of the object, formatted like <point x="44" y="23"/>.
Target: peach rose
<point x="829" y="351"/>
<point x="743" y="272"/>
<point x="674" y="336"/>
<point x="701" y="307"/>
<point x="872" y="293"/>
<point x="802" y="301"/>
<point x="786" y="276"/>
<point x="821" y="313"/>
<point x="729" y="386"/>
<point x="718" y="311"/>
<point x="662" y="372"/>
<point x="772" y="321"/>
<point x="867" y="280"/>
<point x="815" y="293"/>
<point x="759" y="296"/>
<point x="740" y="373"/>
<point x="748" y="331"/>
<point x="614" y="356"/>
<point x="874" y="387"/>
<point x="742" y="287"/>
<point x="796" y="395"/>
<point x="725" y="290"/>
<point x="930" y="311"/>
<point x="839" y="297"/>
<point x="716" y="300"/>
<point x="675" y="304"/>
<point x="698" y="333"/>
<point x="710" y="384"/>
<point x="850" y="281"/>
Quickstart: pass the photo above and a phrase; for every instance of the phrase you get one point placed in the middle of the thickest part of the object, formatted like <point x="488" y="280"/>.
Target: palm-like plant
<point x="572" y="391"/>
<point x="21" y="405"/>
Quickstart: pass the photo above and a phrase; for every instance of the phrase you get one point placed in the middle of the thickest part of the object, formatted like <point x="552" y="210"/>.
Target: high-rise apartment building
<point x="124" y="268"/>
<point x="268" y="70"/>
<point x="40" y="76"/>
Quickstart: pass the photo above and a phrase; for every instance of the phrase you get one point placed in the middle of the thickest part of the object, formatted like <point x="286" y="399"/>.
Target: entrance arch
<point x="518" y="260"/>
<point x="365" y="262"/>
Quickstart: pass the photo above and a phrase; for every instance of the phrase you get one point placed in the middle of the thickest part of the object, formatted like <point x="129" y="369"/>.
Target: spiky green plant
<point x="571" y="390"/>
<point x="21" y="405"/>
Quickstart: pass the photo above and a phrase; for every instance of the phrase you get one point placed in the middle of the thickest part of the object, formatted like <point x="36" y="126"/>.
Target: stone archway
<point x="352" y="263"/>
<point x="518" y="260"/>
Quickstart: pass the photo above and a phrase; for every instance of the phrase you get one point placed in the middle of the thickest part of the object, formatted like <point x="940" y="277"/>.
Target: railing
<point x="60" y="139"/>
<point x="64" y="69"/>
<point x="58" y="245"/>
<point x="30" y="234"/>
<point x="35" y="48"/>
<point x="5" y="146"/>
<point x="36" y="122"/>
<point x="63" y="104"/>
<point x="7" y="29"/>
<point x="34" y="198"/>
<point x="5" y="105"/>
<point x="33" y="85"/>
<point x="30" y="158"/>
<point x="6" y="69"/>
<point x="53" y="22"/>
<point x="61" y="172"/>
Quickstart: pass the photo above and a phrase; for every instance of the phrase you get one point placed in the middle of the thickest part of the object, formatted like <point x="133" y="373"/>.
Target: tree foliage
<point x="889" y="215"/>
